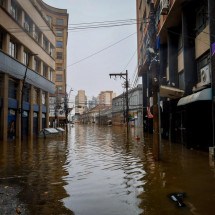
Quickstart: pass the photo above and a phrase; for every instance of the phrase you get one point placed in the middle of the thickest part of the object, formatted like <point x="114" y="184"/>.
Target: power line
<point x="101" y="50"/>
<point x="90" y="25"/>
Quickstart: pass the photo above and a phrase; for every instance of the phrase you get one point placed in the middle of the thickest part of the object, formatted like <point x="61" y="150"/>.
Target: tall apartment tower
<point x="182" y="58"/>
<point x="27" y="65"/>
<point x="58" y="20"/>
<point x="80" y="102"/>
<point x="105" y="97"/>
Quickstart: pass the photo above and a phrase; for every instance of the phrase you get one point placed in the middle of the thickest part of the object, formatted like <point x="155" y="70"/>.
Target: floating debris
<point x="178" y="198"/>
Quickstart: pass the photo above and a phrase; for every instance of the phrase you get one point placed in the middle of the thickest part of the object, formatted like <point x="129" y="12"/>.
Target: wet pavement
<point x="97" y="170"/>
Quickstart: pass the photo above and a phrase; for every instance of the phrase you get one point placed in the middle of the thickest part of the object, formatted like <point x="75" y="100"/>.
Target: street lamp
<point x="22" y="90"/>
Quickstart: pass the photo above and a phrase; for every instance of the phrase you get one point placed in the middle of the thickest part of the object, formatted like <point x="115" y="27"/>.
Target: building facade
<point x="58" y="20"/>
<point x="26" y="69"/>
<point x="80" y="102"/>
<point x="183" y="45"/>
<point x="105" y="97"/>
<point x="135" y="106"/>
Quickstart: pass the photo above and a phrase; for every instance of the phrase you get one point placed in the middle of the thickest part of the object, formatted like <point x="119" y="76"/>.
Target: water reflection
<point x="99" y="170"/>
<point x="36" y="168"/>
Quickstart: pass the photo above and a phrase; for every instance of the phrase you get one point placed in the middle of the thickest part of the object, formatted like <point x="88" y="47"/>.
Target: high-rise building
<point x="105" y="97"/>
<point x="80" y="102"/>
<point x="27" y="65"/>
<point x="58" y="21"/>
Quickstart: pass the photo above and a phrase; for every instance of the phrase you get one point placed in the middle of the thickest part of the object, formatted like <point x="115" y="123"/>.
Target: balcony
<point x="17" y="70"/>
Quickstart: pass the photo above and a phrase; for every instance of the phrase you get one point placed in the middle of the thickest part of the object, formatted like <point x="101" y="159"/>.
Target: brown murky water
<point x="96" y="170"/>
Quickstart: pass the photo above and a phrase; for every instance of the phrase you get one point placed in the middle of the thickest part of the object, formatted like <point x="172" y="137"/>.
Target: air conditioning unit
<point x="205" y="78"/>
<point x="26" y="26"/>
<point x="205" y="75"/>
<point x="164" y="7"/>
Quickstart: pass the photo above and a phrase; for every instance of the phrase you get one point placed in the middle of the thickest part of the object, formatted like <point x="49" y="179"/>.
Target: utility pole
<point x="22" y="91"/>
<point x="67" y="109"/>
<point x="124" y="76"/>
<point x="155" y="84"/>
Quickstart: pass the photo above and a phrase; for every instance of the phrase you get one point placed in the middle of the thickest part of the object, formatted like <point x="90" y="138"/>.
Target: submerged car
<point x="45" y="132"/>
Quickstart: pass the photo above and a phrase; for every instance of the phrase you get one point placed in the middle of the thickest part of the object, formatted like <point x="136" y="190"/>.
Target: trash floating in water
<point x="178" y="198"/>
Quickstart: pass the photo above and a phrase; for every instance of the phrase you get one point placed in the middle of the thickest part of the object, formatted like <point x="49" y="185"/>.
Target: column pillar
<point x="41" y="68"/>
<point x="19" y="114"/>
<point x="47" y="110"/>
<point x="6" y="41"/>
<point x="190" y="73"/>
<point x="8" y="5"/>
<point x="31" y="112"/>
<point x="4" y="113"/>
<point x="173" y="58"/>
<point x="40" y="110"/>
<point x="20" y="53"/>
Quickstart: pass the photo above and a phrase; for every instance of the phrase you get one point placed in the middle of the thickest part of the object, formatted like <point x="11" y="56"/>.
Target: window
<point x="12" y="89"/>
<point x="201" y="18"/>
<point x="59" y="67"/>
<point x="52" y="50"/>
<point x="45" y="71"/>
<point x="59" y="55"/>
<point x="13" y="10"/>
<point x="59" y="44"/>
<point x="59" y="33"/>
<point x="45" y="44"/>
<point x="36" y="65"/>
<point x="181" y="80"/>
<point x="12" y="49"/>
<point x="51" y="75"/>
<point x="27" y="26"/>
<point x="25" y="58"/>
<point x="59" y="89"/>
<point x="49" y="19"/>
<point x="36" y="35"/>
<point x="59" y="78"/>
<point x="59" y="21"/>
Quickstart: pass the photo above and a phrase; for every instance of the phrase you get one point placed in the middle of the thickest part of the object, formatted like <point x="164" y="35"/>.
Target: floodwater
<point x="98" y="170"/>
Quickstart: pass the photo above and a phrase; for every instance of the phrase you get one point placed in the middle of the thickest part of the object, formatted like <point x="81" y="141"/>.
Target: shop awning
<point x="203" y="95"/>
<point x="170" y="92"/>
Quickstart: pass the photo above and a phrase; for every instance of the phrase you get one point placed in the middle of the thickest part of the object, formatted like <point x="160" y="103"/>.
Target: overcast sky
<point x="115" y="54"/>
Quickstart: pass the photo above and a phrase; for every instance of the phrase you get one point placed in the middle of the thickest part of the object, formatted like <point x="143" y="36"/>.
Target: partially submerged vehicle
<point x="49" y="132"/>
<point x="60" y="130"/>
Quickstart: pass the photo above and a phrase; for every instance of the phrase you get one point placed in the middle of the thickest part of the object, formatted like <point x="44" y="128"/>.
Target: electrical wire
<point x="84" y="26"/>
<point x="101" y="50"/>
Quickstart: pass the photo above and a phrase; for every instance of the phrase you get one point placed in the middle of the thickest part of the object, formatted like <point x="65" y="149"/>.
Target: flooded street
<point x="96" y="170"/>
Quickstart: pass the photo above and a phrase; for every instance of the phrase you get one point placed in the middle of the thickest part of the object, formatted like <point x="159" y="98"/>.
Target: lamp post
<point x="22" y="90"/>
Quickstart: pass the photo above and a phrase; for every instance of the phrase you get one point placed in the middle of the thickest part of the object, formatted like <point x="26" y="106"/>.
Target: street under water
<point x="98" y="170"/>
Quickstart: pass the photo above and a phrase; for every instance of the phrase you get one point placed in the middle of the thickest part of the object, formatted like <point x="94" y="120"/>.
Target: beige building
<point x="80" y="102"/>
<point x="27" y="64"/>
<point x="105" y="97"/>
<point x="58" y="21"/>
